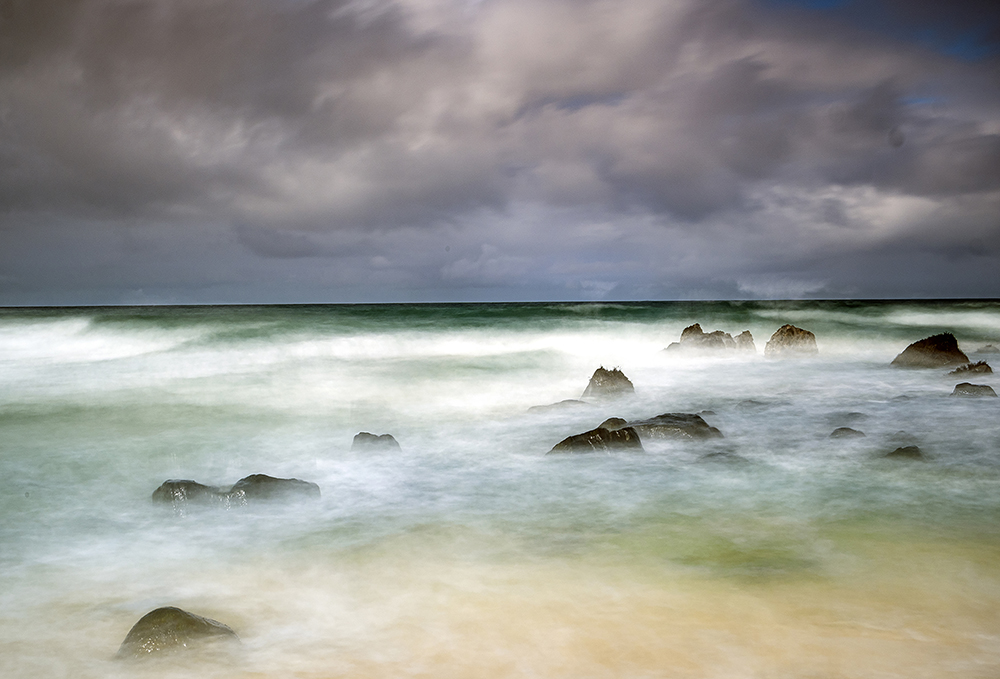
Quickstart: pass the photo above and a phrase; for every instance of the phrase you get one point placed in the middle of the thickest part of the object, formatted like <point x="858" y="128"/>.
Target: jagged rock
<point x="937" y="351"/>
<point x="562" y="405"/>
<point x="988" y="349"/>
<point x="694" y="338"/>
<point x="968" y="390"/>
<point x="675" y="426"/>
<point x="906" y="453"/>
<point x="606" y="383"/>
<point x="846" y="433"/>
<point x="180" y="492"/>
<point x="367" y="442"/>
<point x="981" y="367"/>
<point x="171" y="629"/>
<point x="790" y="342"/>
<point x="264" y="487"/>
<point x="600" y="440"/>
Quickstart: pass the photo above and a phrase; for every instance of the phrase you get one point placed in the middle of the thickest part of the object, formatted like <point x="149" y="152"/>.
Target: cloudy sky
<point x="191" y="151"/>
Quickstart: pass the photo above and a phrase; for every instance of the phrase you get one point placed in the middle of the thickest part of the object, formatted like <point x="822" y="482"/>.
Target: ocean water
<point x="775" y="552"/>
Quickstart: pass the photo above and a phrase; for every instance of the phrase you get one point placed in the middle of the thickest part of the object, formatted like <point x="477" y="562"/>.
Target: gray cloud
<point x="560" y="147"/>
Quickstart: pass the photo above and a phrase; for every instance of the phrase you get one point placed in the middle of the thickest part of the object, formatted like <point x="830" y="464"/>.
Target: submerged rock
<point x="846" y="433"/>
<point x="608" y="383"/>
<point x="791" y="342"/>
<point x="264" y="487"/>
<point x="906" y="453"/>
<point x="936" y="351"/>
<point x="180" y="492"/>
<point x="675" y="426"/>
<point x="967" y="390"/>
<point x="171" y="629"/>
<point x="694" y="338"/>
<point x="365" y="441"/>
<point x="562" y="405"/>
<point x="988" y="349"/>
<point x="600" y="440"/>
<point x="980" y="367"/>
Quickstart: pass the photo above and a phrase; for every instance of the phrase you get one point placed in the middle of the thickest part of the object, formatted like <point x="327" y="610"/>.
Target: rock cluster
<point x="981" y="367"/>
<point x="618" y="434"/>
<point x="693" y="338"/>
<point x="791" y="342"/>
<point x="608" y="383"/>
<point x="182" y="492"/>
<point x="171" y="629"/>
<point x="365" y="441"/>
<point x="937" y="351"/>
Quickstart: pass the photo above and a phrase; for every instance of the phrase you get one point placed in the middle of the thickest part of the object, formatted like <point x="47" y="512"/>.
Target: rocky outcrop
<point x="906" y="453"/>
<point x="791" y="342"/>
<point x="980" y="367"/>
<point x="674" y="426"/>
<point x="600" y="440"/>
<point x="171" y="629"/>
<point x="693" y="338"/>
<point x="608" y="384"/>
<point x="846" y="433"/>
<point x="256" y="487"/>
<point x="937" y="351"/>
<point x="364" y="441"/>
<point x="968" y="390"/>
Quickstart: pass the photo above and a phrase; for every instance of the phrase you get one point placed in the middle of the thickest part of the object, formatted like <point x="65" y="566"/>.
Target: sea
<point x="775" y="552"/>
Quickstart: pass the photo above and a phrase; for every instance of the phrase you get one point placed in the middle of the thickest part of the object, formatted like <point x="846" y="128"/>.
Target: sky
<point x="342" y="151"/>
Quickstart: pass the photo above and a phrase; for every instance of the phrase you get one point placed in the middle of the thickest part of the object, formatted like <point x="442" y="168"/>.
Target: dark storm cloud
<point x="596" y="147"/>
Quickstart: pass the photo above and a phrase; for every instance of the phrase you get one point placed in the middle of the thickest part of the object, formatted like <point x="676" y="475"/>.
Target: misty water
<point x="773" y="552"/>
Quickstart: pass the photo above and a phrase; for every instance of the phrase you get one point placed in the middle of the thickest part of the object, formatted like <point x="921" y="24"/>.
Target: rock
<point x="170" y="629"/>
<point x="181" y="492"/>
<point x="613" y="423"/>
<point x="264" y="487"/>
<point x="675" y="426"/>
<point x="906" y="453"/>
<point x="562" y="405"/>
<point x="937" y="351"/>
<point x="694" y="338"/>
<point x="988" y="349"/>
<point x="791" y="342"/>
<point x="846" y="433"/>
<point x="981" y="367"/>
<point x="607" y="383"/>
<point x="973" y="390"/>
<point x="367" y="442"/>
<point x="600" y="440"/>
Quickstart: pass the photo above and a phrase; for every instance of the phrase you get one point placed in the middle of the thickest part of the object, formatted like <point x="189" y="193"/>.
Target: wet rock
<point x="937" y="351"/>
<point x="980" y="367"/>
<point x="675" y="426"/>
<point x="365" y="441"/>
<point x="600" y="440"/>
<point x="562" y="405"/>
<point x="693" y="338"/>
<point x="264" y="487"/>
<point x="968" y="390"/>
<point x="613" y="423"/>
<point x="988" y="349"/>
<point x="906" y="453"/>
<point x="182" y="492"/>
<point x="171" y="629"/>
<point x="791" y="342"/>
<point x="608" y="383"/>
<point x="846" y="433"/>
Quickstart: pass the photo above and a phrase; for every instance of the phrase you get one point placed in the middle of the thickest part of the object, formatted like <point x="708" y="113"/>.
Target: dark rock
<point x="170" y="629"/>
<point x="694" y="338"/>
<point x="367" y="442"/>
<point x="181" y="492"/>
<point x="613" y="423"/>
<point x="264" y="487"/>
<point x="937" y="351"/>
<point x="967" y="390"/>
<point x="846" y="433"/>
<point x="791" y="342"/>
<point x="607" y="383"/>
<point x="906" y="453"/>
<point x="675" y="426"/>
<point x="600" y="440"/>
<point x="988" y="349"/>
<point x="981" y="367"/>
<point x="562" y="405"/>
